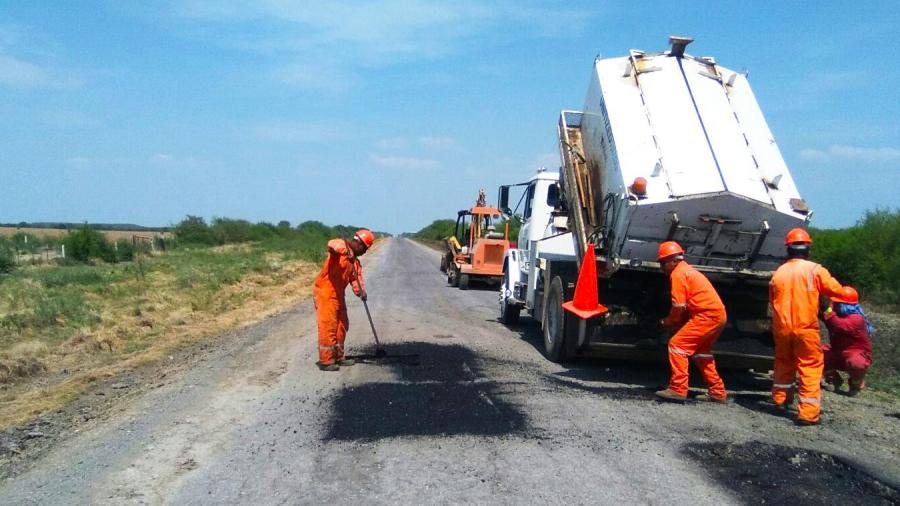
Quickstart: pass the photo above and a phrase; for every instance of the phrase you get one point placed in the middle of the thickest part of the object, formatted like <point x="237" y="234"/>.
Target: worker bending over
<point x="794" y="295"/>
<point x="341" y="268"/>
<point x="849" y="348"/>
<point x="698" y="315"/>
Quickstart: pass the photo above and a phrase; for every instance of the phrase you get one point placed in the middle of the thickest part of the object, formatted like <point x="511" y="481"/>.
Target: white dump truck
<point x="669" y="146"/>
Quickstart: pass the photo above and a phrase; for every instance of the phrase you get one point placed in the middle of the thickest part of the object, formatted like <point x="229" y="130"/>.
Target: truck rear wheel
<point x="559" y="341"/>
<point x="463" y="281"/>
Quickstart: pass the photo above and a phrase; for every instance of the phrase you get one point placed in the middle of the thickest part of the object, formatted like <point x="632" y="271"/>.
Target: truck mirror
<point x="553" y="196"/>
<point x="503" y="200"/>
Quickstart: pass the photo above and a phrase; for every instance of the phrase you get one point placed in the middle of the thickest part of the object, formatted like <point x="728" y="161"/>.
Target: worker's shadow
<point x="444" y="395"/>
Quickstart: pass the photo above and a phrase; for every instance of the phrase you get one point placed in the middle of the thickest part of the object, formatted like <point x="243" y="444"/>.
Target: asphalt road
<point x="482" y="418"/>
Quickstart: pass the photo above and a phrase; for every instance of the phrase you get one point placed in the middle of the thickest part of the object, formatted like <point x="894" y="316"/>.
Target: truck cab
<point x="537" y="210"/>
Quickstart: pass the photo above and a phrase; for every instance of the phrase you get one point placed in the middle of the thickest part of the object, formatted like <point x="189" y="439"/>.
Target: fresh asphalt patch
<point x="445" y="395"/>
<point x="762" y="472"/>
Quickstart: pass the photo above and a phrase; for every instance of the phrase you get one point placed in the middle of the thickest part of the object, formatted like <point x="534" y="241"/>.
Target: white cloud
<point x="19" y="73"/>
<point x="26" y="61"/>
<point x="404" y="163"/>
<point x="851" y="153"/>
<point x="328" y="49"/>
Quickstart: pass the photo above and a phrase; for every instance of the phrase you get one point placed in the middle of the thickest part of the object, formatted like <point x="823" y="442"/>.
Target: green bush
<point x="193" y="230"/>
<point x="438" y="230"/>
<point x="866" y="255"/>
<point x="7" y="257"/>
<point x="86" y="244"/>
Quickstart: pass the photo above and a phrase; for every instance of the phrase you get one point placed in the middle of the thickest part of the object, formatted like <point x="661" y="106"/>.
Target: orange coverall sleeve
<point x="826" y="284"/>
<point x="339" y="247"/>
<point x="679" y="300"/>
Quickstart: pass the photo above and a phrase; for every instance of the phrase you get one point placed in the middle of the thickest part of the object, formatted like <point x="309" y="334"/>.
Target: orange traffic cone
<point x="586" y="303"/>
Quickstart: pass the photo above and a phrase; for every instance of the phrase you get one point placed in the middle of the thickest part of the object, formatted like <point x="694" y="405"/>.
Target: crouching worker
<point x="849" y="348"/>
<point x="341" y="268"/>
<point x="698" y="315"/>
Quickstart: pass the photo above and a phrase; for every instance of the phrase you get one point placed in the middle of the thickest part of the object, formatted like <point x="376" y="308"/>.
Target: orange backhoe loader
<point x="481" y="258"/>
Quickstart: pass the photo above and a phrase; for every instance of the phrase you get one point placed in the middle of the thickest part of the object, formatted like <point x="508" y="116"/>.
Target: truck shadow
<point x="444" y="395"/>
<point x="786" y="475"/>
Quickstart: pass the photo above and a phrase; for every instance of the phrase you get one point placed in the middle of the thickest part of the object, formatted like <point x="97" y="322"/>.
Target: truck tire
<point x="445" y="261"/>
<point x="560" y="332"/>
<point x="463" y="281"/>
<point x="509" y="313"/>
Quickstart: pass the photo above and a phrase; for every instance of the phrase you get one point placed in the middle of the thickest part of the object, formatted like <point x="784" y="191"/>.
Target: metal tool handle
<point x="369" y="315"/>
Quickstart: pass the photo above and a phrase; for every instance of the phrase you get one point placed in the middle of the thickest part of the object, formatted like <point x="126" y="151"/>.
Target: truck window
<point x="529" y="199"/>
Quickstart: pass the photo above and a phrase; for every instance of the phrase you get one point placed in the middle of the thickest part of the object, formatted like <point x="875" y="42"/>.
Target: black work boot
<point x="346" y="362"/>
<point x="328" y="367"/>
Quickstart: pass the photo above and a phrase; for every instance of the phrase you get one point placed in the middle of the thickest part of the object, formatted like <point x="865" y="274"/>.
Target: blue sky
<point x="392" y="114"/>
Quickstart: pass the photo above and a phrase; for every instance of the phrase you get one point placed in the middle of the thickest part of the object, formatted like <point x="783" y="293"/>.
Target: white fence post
<point x="62" y="250"/>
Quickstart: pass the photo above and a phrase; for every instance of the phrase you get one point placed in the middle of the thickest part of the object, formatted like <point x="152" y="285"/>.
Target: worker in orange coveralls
<point x="794" y="295"/>
<point x="341" y="268"/>
<point x="848" y="348"/>
<point x="699" y="317"/>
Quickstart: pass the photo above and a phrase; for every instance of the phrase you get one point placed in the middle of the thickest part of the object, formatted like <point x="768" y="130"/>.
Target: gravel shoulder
<point x="480" y="417"/>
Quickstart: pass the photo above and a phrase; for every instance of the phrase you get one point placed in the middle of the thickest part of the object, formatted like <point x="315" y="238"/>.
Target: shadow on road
<point x="785" y="475"/>
<point x="640" y="379"/>
<point x="444" y="395"/>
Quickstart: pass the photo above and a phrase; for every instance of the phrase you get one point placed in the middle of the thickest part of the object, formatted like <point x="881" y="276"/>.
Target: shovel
<point x="379" y="351"/>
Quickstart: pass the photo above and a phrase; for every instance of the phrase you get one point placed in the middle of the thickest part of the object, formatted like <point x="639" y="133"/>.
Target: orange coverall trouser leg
<point x="799" y="353"/>
<point x="331" y="316"/>
<point x="695" y="339"/>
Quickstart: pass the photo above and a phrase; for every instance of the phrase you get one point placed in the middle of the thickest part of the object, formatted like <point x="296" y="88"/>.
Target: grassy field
<point x="64" y="327"/>
<point x="111" y="235"/>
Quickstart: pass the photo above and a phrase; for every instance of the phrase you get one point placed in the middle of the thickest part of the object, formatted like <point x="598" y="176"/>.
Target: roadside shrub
<point x="226" y="230"/>
<point x="86" y="243"/>
<point x="193" y="230"/>
<point x="125" y="250"/>
<point x="7" y="258"/>
<point x="437" y="230"/>
<point x="866" y="255"/>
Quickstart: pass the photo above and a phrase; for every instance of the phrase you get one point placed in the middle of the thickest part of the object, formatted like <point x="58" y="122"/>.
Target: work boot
<point x="346" y="362"/>
<point x="806" y="423"/>
<point x="328" y="367"/>
<point x="669" y="396"/>
<point x="833" y="380"/>
<point x="709" y="398"/>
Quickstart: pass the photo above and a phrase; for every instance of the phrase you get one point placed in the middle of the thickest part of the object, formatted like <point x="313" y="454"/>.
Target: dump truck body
<point x="668" y="147"/>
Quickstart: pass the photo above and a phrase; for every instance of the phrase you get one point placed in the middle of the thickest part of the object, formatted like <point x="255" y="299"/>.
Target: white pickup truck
<point x="668" y="147"/>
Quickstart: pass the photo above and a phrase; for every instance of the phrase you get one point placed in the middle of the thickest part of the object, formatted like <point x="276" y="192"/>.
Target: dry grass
<point x="141" y="320"/>
<point x="111" y="235"/>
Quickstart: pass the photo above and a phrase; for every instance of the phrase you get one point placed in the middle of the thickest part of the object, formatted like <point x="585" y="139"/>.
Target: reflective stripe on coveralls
<point x="693" y="294"/>
<point x="794" y="296"/>
<point x="328" y="294"/>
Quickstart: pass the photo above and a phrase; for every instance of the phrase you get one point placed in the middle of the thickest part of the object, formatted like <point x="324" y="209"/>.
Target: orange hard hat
<point x="668" y="249"/>
<point x="848" y="295"/>
<point x="797" y="235"/>
<point x="365" y="236"/>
